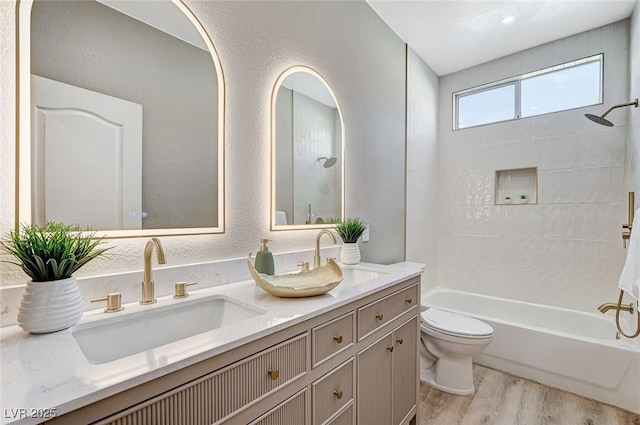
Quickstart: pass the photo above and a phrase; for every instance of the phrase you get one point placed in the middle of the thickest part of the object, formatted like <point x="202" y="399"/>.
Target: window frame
<point x="516" y="80"/>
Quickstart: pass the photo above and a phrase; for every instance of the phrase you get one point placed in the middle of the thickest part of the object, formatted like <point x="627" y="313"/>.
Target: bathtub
<point x="567" y="349"/>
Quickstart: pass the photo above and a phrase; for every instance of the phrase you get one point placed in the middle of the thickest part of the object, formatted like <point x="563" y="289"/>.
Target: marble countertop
<point x="49" y="375"/>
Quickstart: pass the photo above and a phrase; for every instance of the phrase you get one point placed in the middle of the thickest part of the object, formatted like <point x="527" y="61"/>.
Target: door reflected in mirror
<point x="307" y="152"/>
<point x="126" y="118"/>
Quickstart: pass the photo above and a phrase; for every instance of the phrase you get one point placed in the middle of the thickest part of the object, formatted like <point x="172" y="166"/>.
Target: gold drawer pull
<point x="379" y="316"/>
<point x="400" y="341"/>
<point x="338" y="339"/>
<point x="409" y="300"/>
<point x="338" y="394"/>
<point x="390" y="349"/>
<point x="274" y="374"/>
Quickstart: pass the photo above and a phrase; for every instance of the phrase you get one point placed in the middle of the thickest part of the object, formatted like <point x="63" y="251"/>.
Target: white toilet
<point x="447" y="343"/>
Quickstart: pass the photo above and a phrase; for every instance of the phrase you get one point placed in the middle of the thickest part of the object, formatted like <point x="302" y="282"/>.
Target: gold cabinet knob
<point x="181" y="289"/>
<point x="338" y="394"/>
<point x="274" y="374"/>
<point x="338" y="339"/>
<point x="380" y="316"/>
<point x="400" y="341"/>
<point x="409" y="300"/>
<point x="390" y="349"/>
<point x="114" y="302"/>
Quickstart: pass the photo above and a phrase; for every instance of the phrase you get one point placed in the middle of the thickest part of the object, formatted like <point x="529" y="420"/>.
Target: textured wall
<point x="422" y="166"/>
<point x="350" y="46"/>
<point x="567" y="249"/>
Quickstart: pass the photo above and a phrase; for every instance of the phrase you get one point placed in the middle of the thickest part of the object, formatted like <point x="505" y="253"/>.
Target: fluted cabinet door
<point x="404" y="369"/>
<point x="291" y="411"/>
<point x="374" y="383"/>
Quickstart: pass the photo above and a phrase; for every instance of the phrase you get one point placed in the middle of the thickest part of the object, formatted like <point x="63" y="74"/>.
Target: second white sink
<point x="128" y="334"/>
<point x="359" y="274"/>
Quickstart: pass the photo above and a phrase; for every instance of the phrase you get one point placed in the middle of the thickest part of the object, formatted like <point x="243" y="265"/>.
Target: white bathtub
<point x="567" y="349"/>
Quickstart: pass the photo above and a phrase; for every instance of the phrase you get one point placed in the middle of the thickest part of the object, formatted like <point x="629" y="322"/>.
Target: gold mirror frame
<point x="274" y="96"/>
<point x="23" y="131"/>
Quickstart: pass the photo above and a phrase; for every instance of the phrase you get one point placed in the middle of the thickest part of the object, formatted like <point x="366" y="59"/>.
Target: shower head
<point x="328" y="162"/>
<point x="599" y="120"/>
<point x="602" y="120"/>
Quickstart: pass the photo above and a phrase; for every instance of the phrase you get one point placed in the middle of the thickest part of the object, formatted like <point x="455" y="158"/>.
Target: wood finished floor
<point x="502" y="399"/>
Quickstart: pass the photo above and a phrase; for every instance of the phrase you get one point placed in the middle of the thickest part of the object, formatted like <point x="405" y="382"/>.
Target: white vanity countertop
<point x="40" y="373"/>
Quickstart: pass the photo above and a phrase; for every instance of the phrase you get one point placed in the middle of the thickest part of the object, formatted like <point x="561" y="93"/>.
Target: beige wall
<point x="349" y="45"/>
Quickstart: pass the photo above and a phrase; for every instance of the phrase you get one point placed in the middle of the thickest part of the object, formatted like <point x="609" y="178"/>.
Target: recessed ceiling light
<point x="510" y="19"/>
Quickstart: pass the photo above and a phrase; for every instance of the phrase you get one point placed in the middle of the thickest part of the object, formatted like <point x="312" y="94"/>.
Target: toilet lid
<point x="455" y="324"/>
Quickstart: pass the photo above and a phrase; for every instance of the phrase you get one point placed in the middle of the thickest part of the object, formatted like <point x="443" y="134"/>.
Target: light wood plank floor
<point x="502" y="399"/>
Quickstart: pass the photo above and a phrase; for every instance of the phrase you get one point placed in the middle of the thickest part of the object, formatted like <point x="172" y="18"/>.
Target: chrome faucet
<point x="147" y="281"/>
<point x="316" y="258"/>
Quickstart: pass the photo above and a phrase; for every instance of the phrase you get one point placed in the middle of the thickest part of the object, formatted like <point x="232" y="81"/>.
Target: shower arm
<point x="620" y="106"/>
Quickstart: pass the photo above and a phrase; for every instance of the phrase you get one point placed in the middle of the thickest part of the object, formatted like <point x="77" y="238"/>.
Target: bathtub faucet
<point x="613" y="306"/>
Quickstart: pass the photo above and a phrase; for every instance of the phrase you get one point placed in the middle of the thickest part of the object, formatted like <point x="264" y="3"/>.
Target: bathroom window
<point x="566" y="86"/>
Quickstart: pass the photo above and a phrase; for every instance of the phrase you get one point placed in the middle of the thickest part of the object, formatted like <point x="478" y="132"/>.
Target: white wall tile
<point x="565" y="248"/>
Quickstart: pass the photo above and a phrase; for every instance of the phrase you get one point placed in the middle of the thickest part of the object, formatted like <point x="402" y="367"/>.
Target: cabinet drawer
<point x="290" y="411"/>
<point x="347" y="417"/>
<point x="331" y="338"/>
<point x="212" y="398"/>
<point x="378" y="313"/>
<point x="332" y="392"/>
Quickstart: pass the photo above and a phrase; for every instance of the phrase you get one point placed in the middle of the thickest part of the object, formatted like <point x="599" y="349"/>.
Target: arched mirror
<point x="307" y="152"/>
<point x="121" y="118"/>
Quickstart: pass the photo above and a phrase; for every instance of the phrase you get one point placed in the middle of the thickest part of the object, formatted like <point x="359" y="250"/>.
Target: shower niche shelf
<point x="511" y="184"/>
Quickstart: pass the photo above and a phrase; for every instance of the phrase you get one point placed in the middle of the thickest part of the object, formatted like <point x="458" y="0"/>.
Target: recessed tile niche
<point x="512" y="184"/>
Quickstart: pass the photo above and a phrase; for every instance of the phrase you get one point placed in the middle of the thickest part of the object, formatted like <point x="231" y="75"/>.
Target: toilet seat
<point x="455" y="324"/>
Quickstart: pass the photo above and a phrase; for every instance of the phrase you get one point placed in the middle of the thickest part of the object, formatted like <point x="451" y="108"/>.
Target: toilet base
<point x="459" y="373"/>
<point x="428" y="379"/>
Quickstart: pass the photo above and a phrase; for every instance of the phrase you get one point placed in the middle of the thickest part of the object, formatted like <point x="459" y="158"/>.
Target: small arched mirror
<point x="121" y="118"/>
<point x="307" y="152"/>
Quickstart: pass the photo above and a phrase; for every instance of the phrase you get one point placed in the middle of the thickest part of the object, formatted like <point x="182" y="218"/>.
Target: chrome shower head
<point x="328" y="162"/>
<point x="601" y="119"/>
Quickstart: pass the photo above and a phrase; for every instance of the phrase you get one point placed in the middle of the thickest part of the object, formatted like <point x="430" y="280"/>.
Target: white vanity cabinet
<point x="355" y="363"/>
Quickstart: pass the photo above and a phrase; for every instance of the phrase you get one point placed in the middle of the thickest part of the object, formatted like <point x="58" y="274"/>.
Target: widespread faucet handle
<point x="114" y="302"/>
<point x="181" y="289"/>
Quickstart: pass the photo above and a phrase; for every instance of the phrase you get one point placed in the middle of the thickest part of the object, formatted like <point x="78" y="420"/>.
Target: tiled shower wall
<point x="566" y="250"/>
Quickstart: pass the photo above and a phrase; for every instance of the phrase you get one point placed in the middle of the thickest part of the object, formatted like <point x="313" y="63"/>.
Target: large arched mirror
<point x="121" y="118"/>
<point x="307" y="152"/>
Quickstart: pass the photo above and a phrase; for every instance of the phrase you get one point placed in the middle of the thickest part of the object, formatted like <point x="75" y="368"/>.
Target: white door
<point x="86" y="157"/>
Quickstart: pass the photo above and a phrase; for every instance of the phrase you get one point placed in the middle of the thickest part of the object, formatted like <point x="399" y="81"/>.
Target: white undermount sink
<point x="128" y="334"/>
<point x="359" y="274"/>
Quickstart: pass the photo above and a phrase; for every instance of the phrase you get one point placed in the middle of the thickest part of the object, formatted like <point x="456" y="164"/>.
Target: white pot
<point x="523" y="201"/>
<point x="50" y="306"/>
<point x="350" y="253"/>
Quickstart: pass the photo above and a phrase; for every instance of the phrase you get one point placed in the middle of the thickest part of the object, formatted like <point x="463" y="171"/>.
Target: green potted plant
<point x="350" y="231"/>
<point x="523" y="198"/>
<point x="508" y="200"/>
<point x="49" y="255"/>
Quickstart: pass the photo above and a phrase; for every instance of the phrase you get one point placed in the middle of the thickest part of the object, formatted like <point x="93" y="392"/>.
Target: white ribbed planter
<point x="350" y="253"/>
<point x="50" y="306"/>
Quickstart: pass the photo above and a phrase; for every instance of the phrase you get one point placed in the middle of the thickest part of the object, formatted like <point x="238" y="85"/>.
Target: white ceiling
<point x="450" y="35"/>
